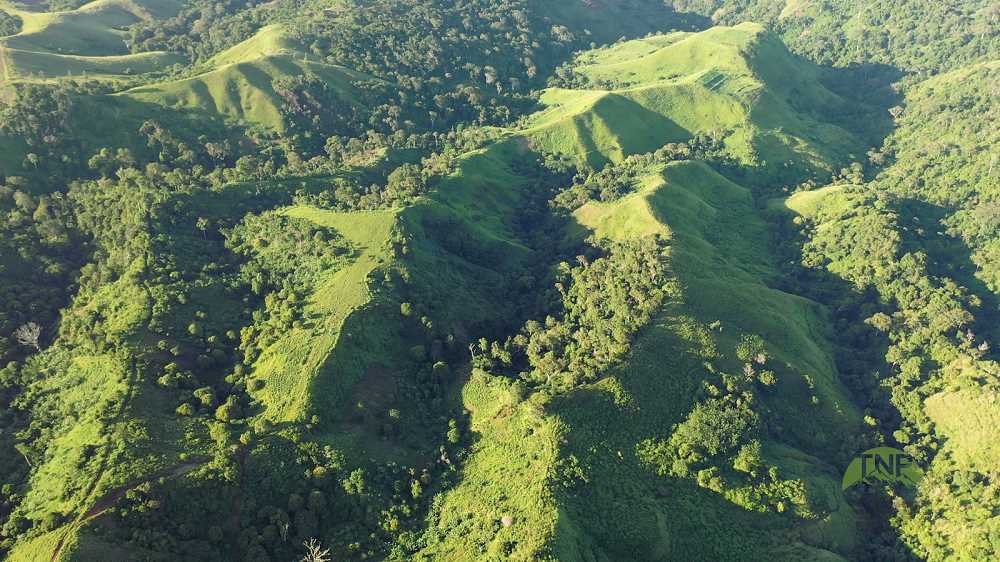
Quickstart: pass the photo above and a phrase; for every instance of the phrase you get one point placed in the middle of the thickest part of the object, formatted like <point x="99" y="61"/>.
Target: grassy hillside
<point x="602" y="496"/>
<point x="86" y="42"/>
<point x="294" y="366"/>
<point x="738" y="84"/>
<point x="344" y="291"/>
<point x="242" y="92"/>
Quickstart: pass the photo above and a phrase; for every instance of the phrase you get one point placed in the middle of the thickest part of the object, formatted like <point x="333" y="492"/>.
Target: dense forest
<point x="498" y="279"/>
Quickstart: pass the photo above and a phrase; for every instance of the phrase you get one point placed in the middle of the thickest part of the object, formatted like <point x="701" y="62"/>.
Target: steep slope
<point x="916" y="245"/>
<point x="593" y="483"/>
<point x="240" y="85"/>
<point x="276" y="368"/>
<point x="739" y="85"/>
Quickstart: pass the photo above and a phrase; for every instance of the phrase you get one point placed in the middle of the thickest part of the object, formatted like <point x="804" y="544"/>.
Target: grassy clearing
<point x="969" y="420"/>
<point x="295" y="365"/>
<point x="38" y="549"/>
<point x="505" y="476"/>
<point x="806" y="203"/>
<point x="270" y="40"/>
<point x="241" y="92"/>
<point x="30" y="64"/>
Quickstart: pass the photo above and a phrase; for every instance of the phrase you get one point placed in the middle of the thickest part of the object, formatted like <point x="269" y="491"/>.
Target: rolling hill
<point x="240" y="83"/>
<point x="88" y="42"/>
<point x="434" y="281"/>
<point x="738" y="84"/>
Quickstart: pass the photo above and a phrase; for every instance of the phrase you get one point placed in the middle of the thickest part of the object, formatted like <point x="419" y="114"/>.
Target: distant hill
<point x="88" y="42"/>
<point x="739" y="84"/>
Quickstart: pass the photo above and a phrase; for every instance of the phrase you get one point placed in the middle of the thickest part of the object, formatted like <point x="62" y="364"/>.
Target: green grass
<point x="29" y="64"/>
<point x="719" y="254"/>
<point x="631" y="217"/>
<point x="969" y="420"/>
<point x="241" y="92"/>
<point x="736" y="81"/>
<point x="806" y="203"/>
<point x="38" y="549"/>
<point x="514" y="447"/>
<point x="293" y="368"/>
<point x="270" y="40"/>
<point x="89" y="41"/>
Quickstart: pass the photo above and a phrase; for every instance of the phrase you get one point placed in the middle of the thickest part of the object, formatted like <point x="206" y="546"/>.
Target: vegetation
<point x="497" y="279"/>
<point x="9" y="24"/>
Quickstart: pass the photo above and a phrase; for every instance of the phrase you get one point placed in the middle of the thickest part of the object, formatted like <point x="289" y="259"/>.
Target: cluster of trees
<point x="42" y="117"/>
<point x="202" y="28"/>
<point x="605" y="303"/>
<point x="284" y="252"/>
<point x="402" y="187"/>
<point x="40" y="252"/>
<point x="266" y="495"/>
<point x="719" y="443"/>
<point x="930" y="336"/>
<point x="923" y="37"/>
<point x="9" y="24"/>
<point x="312" y="108"/>
<point x="618" y="179"/>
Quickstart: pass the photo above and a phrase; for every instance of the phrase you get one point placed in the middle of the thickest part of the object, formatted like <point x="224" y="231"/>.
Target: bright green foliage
<point x="322" y="275"/>
<point x="739" y="85"/>
<point x="914" y="35"/>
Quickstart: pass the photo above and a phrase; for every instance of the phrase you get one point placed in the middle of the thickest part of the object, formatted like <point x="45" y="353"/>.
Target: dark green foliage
<point x="146" y="280"/>
<point x="284" y="252"/>
<point x="605" y="302"/>
<point x="915" y="35"/>
<point x="9" y="24"/>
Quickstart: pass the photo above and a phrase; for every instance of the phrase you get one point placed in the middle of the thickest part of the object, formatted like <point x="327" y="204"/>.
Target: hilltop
<point x="87" y="42"/>
<point x="493" y="280"/>
<point x="739" y="85"/>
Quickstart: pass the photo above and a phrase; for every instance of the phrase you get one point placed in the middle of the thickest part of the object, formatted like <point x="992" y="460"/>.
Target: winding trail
<point x="109" y="500"/>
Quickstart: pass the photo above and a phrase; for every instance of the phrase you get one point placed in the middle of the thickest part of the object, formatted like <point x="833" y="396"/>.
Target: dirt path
<point x="4" y="73"/>
<point x="109" y="500"/>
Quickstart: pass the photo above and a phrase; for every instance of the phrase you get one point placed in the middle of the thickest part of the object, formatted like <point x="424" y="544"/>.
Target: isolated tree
<point x="28" y="335"/>
<point x="202" y="224"/>
<point x="315" y="552"/>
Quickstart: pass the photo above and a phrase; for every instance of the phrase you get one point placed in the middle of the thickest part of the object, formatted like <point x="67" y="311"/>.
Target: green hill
<point x="738" y="84"/>
<point x="496" y="280"/>
<point x="624" y="508"/>
<point x="89" y="41"/>
<point x="240" y="85"/>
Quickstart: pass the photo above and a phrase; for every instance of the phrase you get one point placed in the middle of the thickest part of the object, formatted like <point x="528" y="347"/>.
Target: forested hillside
<point x="498" y="279"/>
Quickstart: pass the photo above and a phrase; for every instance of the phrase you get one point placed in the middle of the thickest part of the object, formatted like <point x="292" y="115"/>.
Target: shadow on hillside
<point x="922" y="228"/>
<point x="868" y="87"/>
<point x="860" y="353"/>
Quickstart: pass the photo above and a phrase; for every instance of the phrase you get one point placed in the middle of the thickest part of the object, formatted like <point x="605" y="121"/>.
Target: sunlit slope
<point x="353" y="332"/>
<point x="293" y="367"/>
<point x="270" y="40"/>
<point x="736" y="83"/>
<point x="89" y="41"/>
<point x="718" y="253"/>
<point x="238" y="84"/>
<point x="114" y="433"/>
<point x="621" y="508"/>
